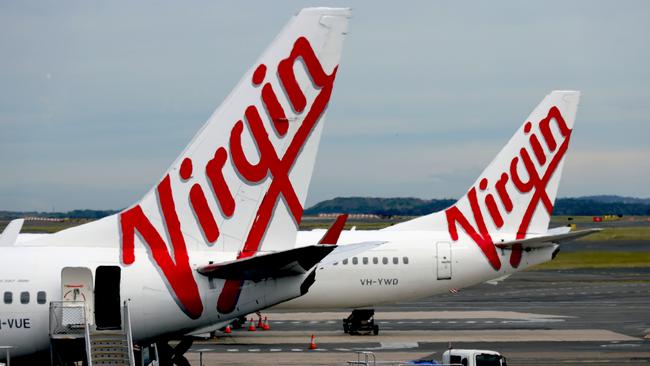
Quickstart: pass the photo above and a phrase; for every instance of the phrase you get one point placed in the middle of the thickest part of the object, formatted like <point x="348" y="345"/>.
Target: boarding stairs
<point x="69" y="329"/>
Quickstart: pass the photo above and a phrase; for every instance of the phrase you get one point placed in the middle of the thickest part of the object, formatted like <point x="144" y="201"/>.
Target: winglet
<point x="10" y="234"/>
<point x="332" y="235"/>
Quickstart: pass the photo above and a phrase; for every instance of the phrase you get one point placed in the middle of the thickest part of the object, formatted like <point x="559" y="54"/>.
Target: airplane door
<point x="77" y="287"/>
<point x="443" y="255"/>
<point x="108" y="311"/>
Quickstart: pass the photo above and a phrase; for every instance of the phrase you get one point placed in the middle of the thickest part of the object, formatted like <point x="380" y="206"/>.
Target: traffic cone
<point x="251" y="326"/>
<point x="266" y="325"/>
<point x="259" y="323"/>
<point x="312" y="344"/>
<point x="227" y="330"/>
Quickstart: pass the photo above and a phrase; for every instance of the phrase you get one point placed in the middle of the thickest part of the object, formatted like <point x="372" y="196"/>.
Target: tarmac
<point x="568" y="317"/>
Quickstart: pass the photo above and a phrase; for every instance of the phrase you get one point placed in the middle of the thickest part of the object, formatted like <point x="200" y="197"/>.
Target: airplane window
<point x="41" y="297"/>
<point x="405" y="260"/>
<point x="335" y="263"/>
<point x="375" y="260"/>
<point x="24" y="297"/>
<point x="365" y="260"/>
<point x="9" y="297"/>
<point x="384" y="260"/>
<point x="395" y="260"/>
<point x="345" y="261"/>
<point x="355" y="260"/>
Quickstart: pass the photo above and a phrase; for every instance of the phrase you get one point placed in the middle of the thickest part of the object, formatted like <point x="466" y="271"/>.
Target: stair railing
<point x="89" y="356"/>
<point x="7" y="350"/>
<point x="126" y="315"/>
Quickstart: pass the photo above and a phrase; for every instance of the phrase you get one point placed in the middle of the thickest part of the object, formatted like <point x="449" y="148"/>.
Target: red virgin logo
<point x="175" y="267"/>
<point x="536" y="183"/>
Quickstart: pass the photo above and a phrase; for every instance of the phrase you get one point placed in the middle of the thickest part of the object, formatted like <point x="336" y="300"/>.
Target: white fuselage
<point x="153" y="311"/>
<point x="409" y="265"/>
<point x="414" y="267"/>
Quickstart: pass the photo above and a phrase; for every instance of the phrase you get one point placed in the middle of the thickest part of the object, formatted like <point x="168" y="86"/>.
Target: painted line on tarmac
<point x="296" y="318"/>
<point x="402" y="322"/>
<point x="441" y="335"/>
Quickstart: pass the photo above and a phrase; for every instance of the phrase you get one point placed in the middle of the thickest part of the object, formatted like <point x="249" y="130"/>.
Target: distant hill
<point x="590" y="206"/>
<point x="408" y="206"/>
<point x="593" y="205"/>
<point x="380" y="206"/>
<point x="74" y="214"/>
<point x="617" y="199"/>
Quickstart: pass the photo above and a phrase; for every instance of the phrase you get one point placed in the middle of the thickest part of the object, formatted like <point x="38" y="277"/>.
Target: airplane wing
<point x="284" y="263"/>
<point x="546" y="240"/>
<point x="10" y="234"/>
<point x="277" y="264"/>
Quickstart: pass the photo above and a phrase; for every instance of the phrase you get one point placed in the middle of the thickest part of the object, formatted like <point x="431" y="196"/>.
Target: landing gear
<point x="238" y="323"/>
<point x="173" y="356"/>
<point x="361" y="321"/>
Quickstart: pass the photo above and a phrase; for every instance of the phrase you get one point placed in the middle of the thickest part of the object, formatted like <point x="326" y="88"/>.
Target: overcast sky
<point x="97" y="98"/>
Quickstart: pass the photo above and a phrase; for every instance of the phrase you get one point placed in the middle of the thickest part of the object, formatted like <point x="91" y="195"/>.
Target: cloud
<point x="430" y="88"/>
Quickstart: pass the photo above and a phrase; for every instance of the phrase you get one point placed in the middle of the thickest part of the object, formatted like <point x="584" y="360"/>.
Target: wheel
<point x="238" y="323"/>
<point x="375" y="330"/>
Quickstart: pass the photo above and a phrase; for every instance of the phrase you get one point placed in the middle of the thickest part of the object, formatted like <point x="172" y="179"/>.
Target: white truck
<point x="472" y="357"/>
<point x="451" y="357"/>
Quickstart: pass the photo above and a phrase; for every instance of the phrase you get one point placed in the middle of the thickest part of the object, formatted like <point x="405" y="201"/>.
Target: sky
<point x="98" y="98"/>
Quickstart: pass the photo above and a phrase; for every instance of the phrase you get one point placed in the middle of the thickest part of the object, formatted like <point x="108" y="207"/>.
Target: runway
<point x="570" y="317"/>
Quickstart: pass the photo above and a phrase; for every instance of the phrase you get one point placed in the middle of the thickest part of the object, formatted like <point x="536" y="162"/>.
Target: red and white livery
<point x="499" y="227"/>
<point x="215" y="238"/>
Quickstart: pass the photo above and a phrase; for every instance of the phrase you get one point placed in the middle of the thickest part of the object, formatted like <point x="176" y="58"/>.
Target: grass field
<point x="620" y="233"/>
<point x="585" y="259"/>
<point x="311" y="223"/>
<point x="45" y="227"/>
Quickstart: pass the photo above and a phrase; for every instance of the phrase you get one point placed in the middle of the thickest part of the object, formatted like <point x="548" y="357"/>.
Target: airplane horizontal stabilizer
<point x="498" y="280"/>
<point x="10" y="234"/>
<point x="546" y="240"/>
<point x="269" y="265"/>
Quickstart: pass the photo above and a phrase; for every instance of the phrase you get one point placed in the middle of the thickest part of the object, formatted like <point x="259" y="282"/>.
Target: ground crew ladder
<point x="111" y="347"/>
<point x="70" y="328"/>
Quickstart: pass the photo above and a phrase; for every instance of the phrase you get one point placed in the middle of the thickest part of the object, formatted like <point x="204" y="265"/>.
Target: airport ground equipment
<point x="364" y="358"/>
<point x="451" y="357"/>
<point x="72" y="335"/>
<point x="7" y="352"/>
<point x="473" y="357"/>
<point x="361" y="321"/>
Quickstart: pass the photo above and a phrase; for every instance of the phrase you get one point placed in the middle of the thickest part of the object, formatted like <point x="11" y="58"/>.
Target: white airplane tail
<point x="241" y="184"/>
<point x="256" y="152"/>
<point x="515" y="194"/>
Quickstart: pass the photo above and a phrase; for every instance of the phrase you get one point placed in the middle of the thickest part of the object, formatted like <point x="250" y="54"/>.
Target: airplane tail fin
<point x="516" y="192"/>
<point x="241" y="184"/>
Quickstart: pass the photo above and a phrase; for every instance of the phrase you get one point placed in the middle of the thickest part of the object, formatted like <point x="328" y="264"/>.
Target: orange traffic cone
<point x="251" y="326"/>
<point x="266" y="325"/>
<point x="227" y="330"/>
<point x="312" y="344"/>
<point x="259" y="323"/>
